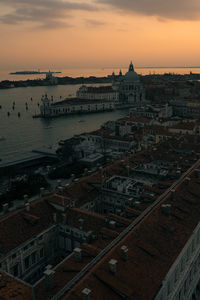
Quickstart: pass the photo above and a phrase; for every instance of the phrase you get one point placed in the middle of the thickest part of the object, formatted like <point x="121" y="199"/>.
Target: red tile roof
<point x="184" y="126"/>
<point x="153" y="246"/>
<point x="102" y="132"/>
<point x="100" y="89"/>
<point x="109" y="232"/>
<point x="60" y="200"/>
<point x="119" y="219"/>
<point x="20" y="226"/>
<point x="136" y="120"/>
<point x="91" y="220"/>
<point x="82" y="191"/>
<point x="11" y="288"/>
<point x="146" y="242"/>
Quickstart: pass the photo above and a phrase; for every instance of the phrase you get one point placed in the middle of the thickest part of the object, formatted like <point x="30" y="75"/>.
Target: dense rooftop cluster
<point x="81" y="244"/>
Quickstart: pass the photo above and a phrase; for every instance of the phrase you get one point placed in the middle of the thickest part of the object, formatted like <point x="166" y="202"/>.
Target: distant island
<point x="51" y="80"/>
<point x="30" y="72"/>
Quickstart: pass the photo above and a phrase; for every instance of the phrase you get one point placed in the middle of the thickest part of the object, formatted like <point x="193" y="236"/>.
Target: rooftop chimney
<point x="49" y="278"/>
<point x="172" y="194"/>
<point x="42" y="191"/>
<point x="196" y="172"/>
<point x="5" y="208"/>
<point x="64" y="218"/>
<point x="86" y="293"/>
<point x="81" y="221"/>
<point x="27" y="205"/>
<point x="130" y="201"/>
<point x="48" y="267"/>
<point x="113" y="266"/>
<point x="72" y="203"/>
<point x="58" y="182"/>
<point x="124" y="252"/>
<point x="118" y="212"/>
<point x="137" y="204"/>
<point x="166" y="209"/>
<point x="112" y="224"/>
<point x="55" y="218"/>
<point x="26" y="198"/>
<point x="60" y="188"/>
<point x="78" y="254"/>
<point x="187" y="180"/>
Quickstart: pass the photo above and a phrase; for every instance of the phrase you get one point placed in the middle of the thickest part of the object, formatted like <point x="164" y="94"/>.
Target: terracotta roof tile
<point x="91" y="220"/>
<point x="109" y="232"/>
<point x="185" y="126"/>
<point x="100" y="89"/>
<point x="60" y="200"/>
<point x="153" y="246"/>
<point x="29" y="224"/>
<point x="11" y="288"/>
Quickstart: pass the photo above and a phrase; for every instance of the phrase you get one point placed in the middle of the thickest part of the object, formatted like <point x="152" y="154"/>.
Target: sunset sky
<point x="99" y="33"/>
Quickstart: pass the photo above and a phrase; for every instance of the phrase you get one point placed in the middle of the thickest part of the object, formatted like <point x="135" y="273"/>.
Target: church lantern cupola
<point x="131" y="68"/>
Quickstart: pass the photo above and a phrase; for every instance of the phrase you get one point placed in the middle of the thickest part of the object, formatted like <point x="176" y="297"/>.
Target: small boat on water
<point x="2" y="138"/>
<point x="80" y="121"/>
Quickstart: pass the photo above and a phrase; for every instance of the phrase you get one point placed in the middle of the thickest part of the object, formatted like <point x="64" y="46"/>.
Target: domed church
<point x="129" y="88"/>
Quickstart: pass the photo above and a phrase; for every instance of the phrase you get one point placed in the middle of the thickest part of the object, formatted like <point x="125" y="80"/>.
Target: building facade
<point x="97" y="93"/>
<point x="73" y="106"/>
<point x="182" y="282"/>
<point x="126" y="91"/>
<point x="129" y="88"/>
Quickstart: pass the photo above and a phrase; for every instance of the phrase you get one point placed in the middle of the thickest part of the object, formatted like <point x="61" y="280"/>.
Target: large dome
<point x="131" y="75"/>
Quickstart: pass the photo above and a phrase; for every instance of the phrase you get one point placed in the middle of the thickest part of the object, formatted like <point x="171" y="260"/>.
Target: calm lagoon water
<point x="26" y="133"/>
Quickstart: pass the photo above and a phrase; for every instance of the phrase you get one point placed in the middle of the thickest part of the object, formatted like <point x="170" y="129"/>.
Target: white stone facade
<point x="49" y="109"/>
<point x="153" y="111"/>
<point x="28" y="260"/>
<point x="108" y="142"/>
<point x="129" y="88"/>
<point x="97" y="93"/>
<point x="183" y="279"/>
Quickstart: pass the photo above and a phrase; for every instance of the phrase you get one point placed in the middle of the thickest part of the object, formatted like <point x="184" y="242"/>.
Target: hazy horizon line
<point x="110" y="67"/>
<point x="157" y="67"/>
